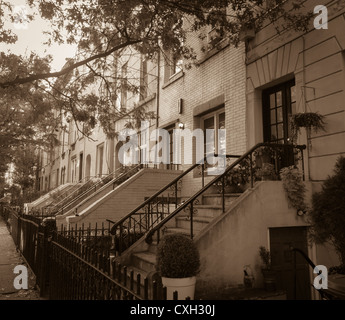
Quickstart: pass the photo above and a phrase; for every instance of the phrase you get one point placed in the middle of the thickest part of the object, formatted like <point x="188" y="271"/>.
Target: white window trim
<point x="215" y="114"/>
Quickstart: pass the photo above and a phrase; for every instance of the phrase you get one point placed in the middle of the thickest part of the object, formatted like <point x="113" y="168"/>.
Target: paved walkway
<point x="9" y="258"/>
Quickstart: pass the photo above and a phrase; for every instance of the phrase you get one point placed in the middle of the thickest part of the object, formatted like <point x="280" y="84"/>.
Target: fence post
<point x="19" y="232"/>
<point x="44" y="268"/>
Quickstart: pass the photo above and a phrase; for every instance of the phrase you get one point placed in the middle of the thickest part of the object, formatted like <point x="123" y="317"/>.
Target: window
<point x="177" y="64"/>
<point x="63" y="172"/>
<point x="279" y="103"/>
<point x="74" y="166"/>
<point x="214" y="141"/>
<point x="124" y="71"/>
<point x="143" y="79"/>
<point x="57" y="177"/>
<point x="173" y="65"/>
<point x="99" y="161"/>
<point x="72" y="133"/>
<point x="143" y="149"/>
<point x="214" y="37"/>
<point x="217" y="33"/>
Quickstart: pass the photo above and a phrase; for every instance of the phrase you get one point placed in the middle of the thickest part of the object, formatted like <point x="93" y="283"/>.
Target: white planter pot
<point x="184" y="286"/>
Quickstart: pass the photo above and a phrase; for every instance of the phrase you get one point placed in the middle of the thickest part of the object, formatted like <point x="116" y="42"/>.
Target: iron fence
<point x="79" y="272"/>
<point x="72" y="265"/>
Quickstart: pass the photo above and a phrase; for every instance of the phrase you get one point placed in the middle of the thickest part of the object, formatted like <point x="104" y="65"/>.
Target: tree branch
<point x="63" y="71"/>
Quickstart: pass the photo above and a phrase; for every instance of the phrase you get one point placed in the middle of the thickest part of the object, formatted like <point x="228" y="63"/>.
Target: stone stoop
<point x="144" y="262"/>
<point x="47" y="198"/>
<point x="115" y="203"/>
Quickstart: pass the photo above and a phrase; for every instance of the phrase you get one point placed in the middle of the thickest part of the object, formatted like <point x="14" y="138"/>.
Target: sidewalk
<point x="9" y="258"/>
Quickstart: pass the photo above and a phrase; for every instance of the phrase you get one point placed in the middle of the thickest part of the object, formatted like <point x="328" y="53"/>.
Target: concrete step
<point x="211" y="211"/>
<point x="153" y="247"/>
<point x="144" y="261"/>
<point x="216" y="199"/>
<point x="178" y="230"/>
<point x="199" y="222"/>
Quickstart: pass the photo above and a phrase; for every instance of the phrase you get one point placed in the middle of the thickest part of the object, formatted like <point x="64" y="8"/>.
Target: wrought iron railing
<point x="68" y="266"/>
<point x="246" y="167"/>
<point x="91" y="187"/>
<point x="153" y="214"/>
<point x="135" y="224"/>
<point x="325" y="294"/>
<point x="60" y="196"/>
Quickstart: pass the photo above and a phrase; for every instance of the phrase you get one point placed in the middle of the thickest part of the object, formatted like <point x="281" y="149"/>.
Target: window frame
<point x="286" y="105"/>
<point x="143" y="91"/>
<point x="99" y="160"/>
<point x="123" y="92"/>
<point x="171" y="66"/>
<point x="215" y="114"/>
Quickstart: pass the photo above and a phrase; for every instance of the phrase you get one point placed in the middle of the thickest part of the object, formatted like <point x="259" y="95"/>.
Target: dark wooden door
<point x="281" y="240"/>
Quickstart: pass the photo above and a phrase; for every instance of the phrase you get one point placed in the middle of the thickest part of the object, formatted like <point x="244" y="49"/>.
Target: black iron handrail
<point x="201" y="163"/>
<point x="75" y="187"/>
<point x="96" y="186"/>
<point x="322" y="292"/>
<point x="76" y="196"/>
<point x="154" y="196"/>
<point x="221" y="179"/>
<point x="131" y="227"/>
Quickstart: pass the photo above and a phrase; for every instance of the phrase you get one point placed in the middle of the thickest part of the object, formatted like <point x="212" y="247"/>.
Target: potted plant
<point x="309" y="120"/>
<point x="267" y="272"/>
<point x="264" y="154"/>
<point x="234" y="182"/>
<point x="178" y="263"/>
<point x="266" y="172"/>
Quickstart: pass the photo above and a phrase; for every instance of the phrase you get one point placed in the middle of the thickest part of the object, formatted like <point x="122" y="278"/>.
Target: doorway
<point x="88" y="167"/>
<point x="81" y="161"/>
<point x="279" y="103"/>
<point x="281" y="240"/>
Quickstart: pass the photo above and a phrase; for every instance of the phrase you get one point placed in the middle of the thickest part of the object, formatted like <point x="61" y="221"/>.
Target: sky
<point x="31" y="38"/>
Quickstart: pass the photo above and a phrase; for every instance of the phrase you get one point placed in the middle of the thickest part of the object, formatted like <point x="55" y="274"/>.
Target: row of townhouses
<point x="251" y="91"/>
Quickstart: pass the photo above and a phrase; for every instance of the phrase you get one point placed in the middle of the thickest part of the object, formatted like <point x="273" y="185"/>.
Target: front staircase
<point x="191" y="216"/>
<point x="143" y="262"/>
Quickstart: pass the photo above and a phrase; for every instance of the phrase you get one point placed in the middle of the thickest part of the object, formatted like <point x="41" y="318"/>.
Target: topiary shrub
<point x="328" y="210"/>
<point x="177" y="257"/>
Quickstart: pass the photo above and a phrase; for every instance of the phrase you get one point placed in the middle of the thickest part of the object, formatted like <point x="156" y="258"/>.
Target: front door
<point x="281" y="240"/>
<point x="279" y="103"/>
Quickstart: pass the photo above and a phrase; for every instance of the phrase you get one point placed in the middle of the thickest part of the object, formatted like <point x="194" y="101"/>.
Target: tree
<point x="103" y="29"/>
<point x="328" y="210"/>
<point x="25" y="163"/>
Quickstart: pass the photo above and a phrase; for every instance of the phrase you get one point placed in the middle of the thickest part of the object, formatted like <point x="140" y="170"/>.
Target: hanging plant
<point x="309" y="120"/>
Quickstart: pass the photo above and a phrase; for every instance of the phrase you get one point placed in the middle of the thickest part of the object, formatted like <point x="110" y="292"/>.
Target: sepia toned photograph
<point x="182" y="150"/>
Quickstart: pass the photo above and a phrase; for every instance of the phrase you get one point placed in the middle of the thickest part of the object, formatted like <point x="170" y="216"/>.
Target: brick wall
<point x="219" y="78"/>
